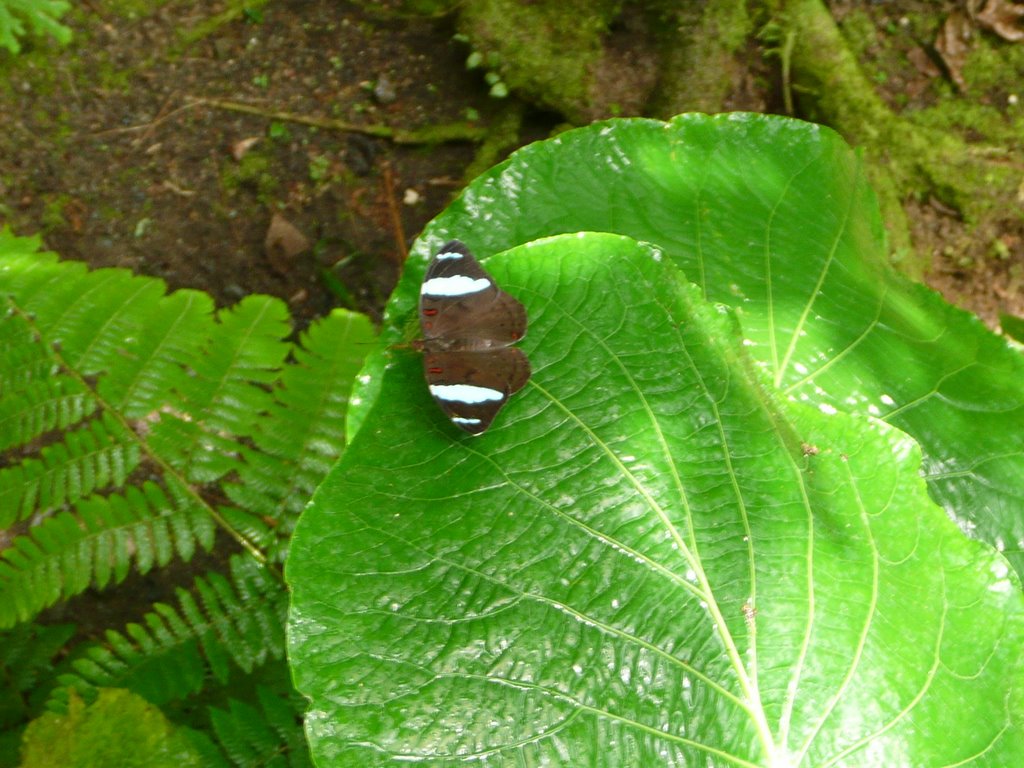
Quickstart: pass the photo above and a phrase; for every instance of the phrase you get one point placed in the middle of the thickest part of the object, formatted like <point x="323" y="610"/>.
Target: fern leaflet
<point x="170" y="655"/>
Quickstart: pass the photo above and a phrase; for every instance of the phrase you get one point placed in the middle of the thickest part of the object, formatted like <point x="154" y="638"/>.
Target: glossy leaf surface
<point x="773" y="217"/>
<point x="650" y="559"/>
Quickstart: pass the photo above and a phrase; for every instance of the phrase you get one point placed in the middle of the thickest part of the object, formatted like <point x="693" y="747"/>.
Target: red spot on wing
<point x="430" y="312"/>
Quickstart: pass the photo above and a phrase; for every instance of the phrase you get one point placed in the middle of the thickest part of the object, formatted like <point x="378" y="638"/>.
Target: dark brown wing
<point x="461" y="305"/>
<point x="454" y="258"/>
<point x="471" y="387"/>
<point x="472" y="325"/>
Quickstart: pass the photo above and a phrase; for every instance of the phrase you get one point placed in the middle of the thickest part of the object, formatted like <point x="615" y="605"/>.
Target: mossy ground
<point x="973" y="243"/>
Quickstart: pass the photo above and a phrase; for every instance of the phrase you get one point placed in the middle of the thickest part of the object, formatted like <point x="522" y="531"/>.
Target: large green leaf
<point x="774" y="218"/>
<point x="650" y="559"/>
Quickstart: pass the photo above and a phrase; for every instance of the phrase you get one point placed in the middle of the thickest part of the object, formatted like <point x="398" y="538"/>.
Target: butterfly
<point x="468" y="325"/>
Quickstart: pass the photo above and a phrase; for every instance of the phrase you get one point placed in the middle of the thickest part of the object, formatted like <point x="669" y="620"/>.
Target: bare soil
<point x="110" y="151"/>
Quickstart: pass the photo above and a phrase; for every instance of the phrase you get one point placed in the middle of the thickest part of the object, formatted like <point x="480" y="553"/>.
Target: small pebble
<point x="384" y="91"/>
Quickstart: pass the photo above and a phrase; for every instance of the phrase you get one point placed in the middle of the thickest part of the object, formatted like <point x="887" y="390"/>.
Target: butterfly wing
<point x="468" y="324"/>
<point x="460" y="303"/>
<point x="472" y="386"/>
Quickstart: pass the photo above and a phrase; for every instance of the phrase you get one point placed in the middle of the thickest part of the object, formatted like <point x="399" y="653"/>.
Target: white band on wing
<point x="465" y="393"/>
<point x="456" y="285"/>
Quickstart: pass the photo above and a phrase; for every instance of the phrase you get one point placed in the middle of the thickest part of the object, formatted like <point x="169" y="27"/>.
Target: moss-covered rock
<point x="575" y="56"/>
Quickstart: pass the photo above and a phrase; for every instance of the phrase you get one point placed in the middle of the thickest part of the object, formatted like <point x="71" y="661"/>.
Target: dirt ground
<point x="110" y="153"/>
<point x="114" y="152"/>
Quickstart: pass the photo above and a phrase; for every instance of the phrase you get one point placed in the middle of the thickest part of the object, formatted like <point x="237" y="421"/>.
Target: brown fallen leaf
<point x="242" y="146"/>
<point x="924" y="65"/>
<point x="1004" y="18"/>
<point x="922" y="62"/>
<point x="283" y="243"/>
<point x="953" y="45"/>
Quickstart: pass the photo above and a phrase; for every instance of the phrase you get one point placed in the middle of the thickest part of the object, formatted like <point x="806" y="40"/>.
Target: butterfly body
<point x="468" y="325"/>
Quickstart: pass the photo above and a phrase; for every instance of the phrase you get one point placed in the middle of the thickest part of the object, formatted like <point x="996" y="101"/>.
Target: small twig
<point x="161" y="115"/>
<point x="446" y="181"/>
<point x="71" y="85"/>
<point x="431" y="134"/>
<point x="152" y="124"/>
<point x="180" y="191"/>
<point x="434" y="134"/>
<point x="787" y="60"/>
<point x="393" y="214"/>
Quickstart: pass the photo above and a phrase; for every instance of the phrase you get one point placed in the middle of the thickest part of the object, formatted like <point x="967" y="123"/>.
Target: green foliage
<point x="26" y="659"/>
<point x="698" y="535"/>
<point x="122" y="403"/>
<point x="139" y="428"/>
<point x="262" y="736"/>
<point x="774" y="219"/>
<point x="19" y="18"/>
<point x="119" y="728"/>
<point x="692" y="538"/>
<point x="172" y="653"/>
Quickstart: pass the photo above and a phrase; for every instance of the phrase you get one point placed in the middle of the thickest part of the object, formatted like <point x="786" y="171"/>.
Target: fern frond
<point x="243" y="361"/>
<point x="169" y="656"/>
<point x="22" y="360"/>
<point x="261" y="531"/>
<point x="90" y="459"/>
<point x="303" y="430"/>
<point x="98" y="367"/>
<point x="170" y="337"/>
<point x="227" y="386"/>
<point x="267" y="736"/>
<point x="41" y="405"/>
<point x="95" y="545"/>
<point x="248" y="636"/>
<point x="26" y="680"/>
<point x="133" y="423"/>
<point x="19" y="17"/>
<point x="26" y="656"/>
